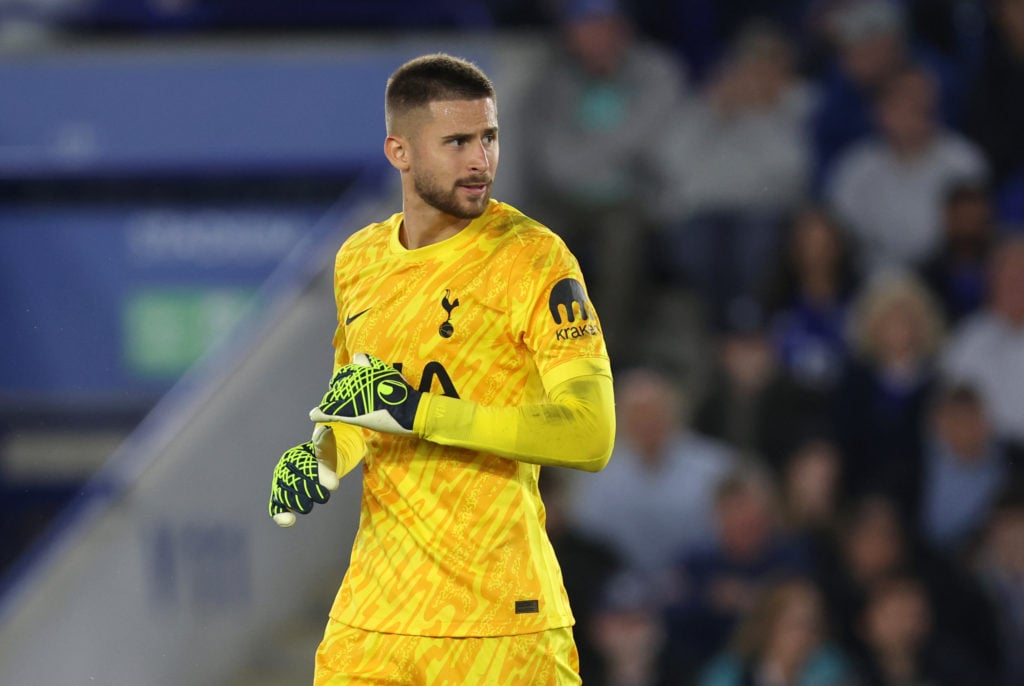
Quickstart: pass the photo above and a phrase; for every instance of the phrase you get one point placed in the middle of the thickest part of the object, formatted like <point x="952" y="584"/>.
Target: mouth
<point x="475" y="189"/>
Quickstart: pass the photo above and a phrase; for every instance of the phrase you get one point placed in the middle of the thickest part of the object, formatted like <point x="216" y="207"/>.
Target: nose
<point x="480" y="159"/>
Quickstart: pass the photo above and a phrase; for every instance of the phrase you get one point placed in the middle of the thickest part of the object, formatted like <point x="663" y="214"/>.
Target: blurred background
<point x="802" y="225"/>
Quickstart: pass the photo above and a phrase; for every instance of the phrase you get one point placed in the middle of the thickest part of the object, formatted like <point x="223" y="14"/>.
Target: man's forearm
<point x="575" y="428"/>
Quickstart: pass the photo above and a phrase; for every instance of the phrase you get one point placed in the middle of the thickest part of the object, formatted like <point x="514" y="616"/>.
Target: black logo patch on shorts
<point x="526" y="607"/>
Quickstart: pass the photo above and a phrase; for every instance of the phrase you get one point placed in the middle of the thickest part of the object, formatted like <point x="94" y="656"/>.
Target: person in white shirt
<point x="656" y="496"/>
<point x="889" y="189"/>
<point x="987" y="349"/>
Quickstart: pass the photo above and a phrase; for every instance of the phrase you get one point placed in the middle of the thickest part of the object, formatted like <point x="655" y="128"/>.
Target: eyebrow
<point x="491" y="130"/>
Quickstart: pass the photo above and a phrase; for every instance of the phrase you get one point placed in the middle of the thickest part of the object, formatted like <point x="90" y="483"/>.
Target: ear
<point x="396" y="149"/>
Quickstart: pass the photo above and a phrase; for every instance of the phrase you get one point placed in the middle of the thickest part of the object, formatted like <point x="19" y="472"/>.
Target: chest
<point x="441" y="323"/>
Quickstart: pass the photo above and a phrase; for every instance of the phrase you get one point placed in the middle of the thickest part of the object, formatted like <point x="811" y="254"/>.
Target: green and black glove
<point x="303" y="477"/>
<point x="372" y="394"/>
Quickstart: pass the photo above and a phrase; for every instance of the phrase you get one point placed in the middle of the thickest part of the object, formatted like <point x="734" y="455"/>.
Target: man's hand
<point x="303" y="476"/>
<point x="371" y="394"/>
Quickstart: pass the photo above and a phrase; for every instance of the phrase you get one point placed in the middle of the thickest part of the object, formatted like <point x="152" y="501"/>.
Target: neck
<point x="635" y="672"/>
<point x="898" y="666"/>
<point x="775" y="672"/>
<point x="819" y="285"/>
<point x="909" y="150"/>
<point x="424" y="225"/>
<point x="1013" y="319"/>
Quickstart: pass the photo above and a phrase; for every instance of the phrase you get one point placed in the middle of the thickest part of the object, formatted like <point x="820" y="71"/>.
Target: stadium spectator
<point x="881" y="400"/>
<point x="1001" y="571"/>
<point x="871" y="43"/>
<point x="781" y="642"/>
<point x="751" y="403"/>
<point x="995" y="103"/>
<point x="965" y="469"/>
<point x="656" y="494"/>
<point x="888" y="190"/>
<point x="903" y="645"/>
<point x="955" y="273"/>
<point x="701" y="30"/>
<point x="717" y="584"/>
<point x="808" y="298"/>
<point x="874" y="544"/>
<point x="630" y="634"/>
<point x="739" y="161"/>
<point x="595" y="173"/>
<point x="987" y="349"/>
<point x="812" y="490"/>
<point x="870" y="543"/>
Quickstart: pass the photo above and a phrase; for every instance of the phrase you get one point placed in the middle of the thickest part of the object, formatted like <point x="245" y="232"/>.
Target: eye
<point x="490" y="138"/>
<point x="456" y="142"/>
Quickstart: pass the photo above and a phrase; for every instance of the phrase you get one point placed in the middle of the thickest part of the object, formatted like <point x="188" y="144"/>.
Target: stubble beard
<point x="447" y="201"/>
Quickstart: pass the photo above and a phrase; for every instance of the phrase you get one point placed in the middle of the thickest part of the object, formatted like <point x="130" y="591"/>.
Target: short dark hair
<point x="429" y="78"/>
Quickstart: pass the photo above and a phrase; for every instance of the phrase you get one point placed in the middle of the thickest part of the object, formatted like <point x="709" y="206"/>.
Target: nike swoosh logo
<point x="357" y="315"/>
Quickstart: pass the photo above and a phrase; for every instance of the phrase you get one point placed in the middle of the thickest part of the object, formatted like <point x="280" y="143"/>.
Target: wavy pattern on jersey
<point x="451" y="539"/>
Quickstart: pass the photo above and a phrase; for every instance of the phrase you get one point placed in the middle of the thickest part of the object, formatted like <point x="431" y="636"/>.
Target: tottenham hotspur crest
<point x="446" y="329"/>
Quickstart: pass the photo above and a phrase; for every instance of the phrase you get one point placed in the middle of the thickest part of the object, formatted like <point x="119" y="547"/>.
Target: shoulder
<point x="981" y="325"/>
<point x="865" y="154"/>
<point x="799" y="100"/>
<point x="978" y="331"/>
<point x="370" y="235"/>
<point x="958" y="150"/>
<point x="648" y="59"/>
<point x="513" y="230"/>
<point x="861" y="162"/>
<point x="506" y="220"/>
<point x="705" y="452"/>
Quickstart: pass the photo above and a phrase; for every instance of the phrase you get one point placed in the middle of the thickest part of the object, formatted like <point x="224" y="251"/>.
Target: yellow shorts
<point x="354" y="657"/>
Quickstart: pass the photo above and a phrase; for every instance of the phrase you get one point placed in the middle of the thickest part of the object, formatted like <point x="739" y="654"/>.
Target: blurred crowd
<point x="802" y="224"/>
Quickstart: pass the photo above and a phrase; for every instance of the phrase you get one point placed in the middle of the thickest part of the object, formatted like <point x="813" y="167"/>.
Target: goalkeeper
<point x="467" y="355"/>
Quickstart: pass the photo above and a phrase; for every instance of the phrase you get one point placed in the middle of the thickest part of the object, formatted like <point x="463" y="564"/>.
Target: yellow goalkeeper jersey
<point x="451" y="542"/>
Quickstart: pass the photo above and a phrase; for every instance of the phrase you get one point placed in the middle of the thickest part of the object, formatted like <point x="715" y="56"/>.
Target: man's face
<point x="599" y="43"/>
<point x="969" y="219"/>
<point x="907" y="110"/>
<point x="649" y="414"/>
<point x="869" y="60"/>
<point x="454" y="154"/>
<point x="963" y="427"/>
<point x="745" y="523"/>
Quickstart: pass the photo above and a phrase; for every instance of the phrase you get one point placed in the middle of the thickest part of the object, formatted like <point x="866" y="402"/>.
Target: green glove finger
<point x="295" y="500"/>
<point x="296" y="485"/>
<point x="275" y="506"/>
<point x="304" y="485"/>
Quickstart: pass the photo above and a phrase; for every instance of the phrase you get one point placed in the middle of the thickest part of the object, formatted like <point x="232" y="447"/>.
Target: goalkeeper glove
<point x="371" y="394"/>
<point x="303" y="477"/>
